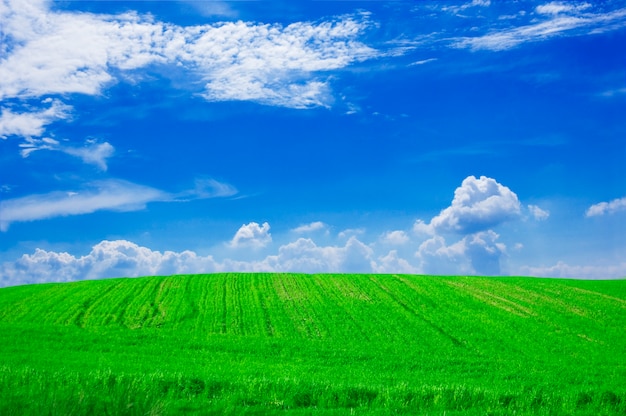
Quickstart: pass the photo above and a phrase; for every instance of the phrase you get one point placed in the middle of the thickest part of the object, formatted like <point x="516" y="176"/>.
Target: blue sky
<point x="161" y="137"/>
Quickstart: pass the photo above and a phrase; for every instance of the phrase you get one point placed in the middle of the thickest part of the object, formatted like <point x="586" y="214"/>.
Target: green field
<point x="314" y="344"/>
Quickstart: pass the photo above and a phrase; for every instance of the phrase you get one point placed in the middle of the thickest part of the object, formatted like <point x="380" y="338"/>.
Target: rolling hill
<point x="332" y="344"/>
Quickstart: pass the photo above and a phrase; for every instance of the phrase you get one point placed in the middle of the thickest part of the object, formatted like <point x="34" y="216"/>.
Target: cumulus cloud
<point x="252" y="235"/>
<point x="311" y="227"/>
<point x="559" y="19"/>
<point x="92" y="152"/>
<point x="393" y="263"/>
<point x="478" y="204"/>
<point x="32" y="123"/>
<point x="123" y="258"/>
<point x="477" y="253"/>
<point x="119" y="258"/>
<point x="604" y="208"/>
<point x="107" y="195"/>
<point x="538" y="213"/>
<point x="422" y="229"/>
<point x="397" y="237"/>
<point x="304" y="255"/>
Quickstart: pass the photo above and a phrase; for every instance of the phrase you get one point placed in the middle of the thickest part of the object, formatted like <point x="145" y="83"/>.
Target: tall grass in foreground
<point x="28" y="392"/>
<point x="324" y="344"/>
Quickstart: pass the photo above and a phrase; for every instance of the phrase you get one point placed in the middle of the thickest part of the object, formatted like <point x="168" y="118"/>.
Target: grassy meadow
<point x="314" y="344"/>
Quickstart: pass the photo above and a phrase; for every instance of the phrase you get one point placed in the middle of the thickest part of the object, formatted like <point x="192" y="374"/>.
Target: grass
<point x="314" y="344"/>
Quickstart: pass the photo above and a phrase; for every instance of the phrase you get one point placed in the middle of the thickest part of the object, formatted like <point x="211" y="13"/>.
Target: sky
<point x="173" y="137"/>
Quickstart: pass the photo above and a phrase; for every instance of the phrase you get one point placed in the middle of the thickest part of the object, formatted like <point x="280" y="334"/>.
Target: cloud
<point x="107" y="259"/>
<point x="392" y="263"/>
<point x="604" y="208"/>
<point x="349" y="232"/>
<point x="311" y="227"/>
<point x="557" y="7"/>
<point x="213" y="8"/>
<point x="538" y="213"/>
<point x="462" y="7"/>
<point x="92" y="152"/>
<point x="303" y="255"/>
<point x="106" y="195"/>
<point x="562" y="19"/>
<point x="478" y="204"/>
<point x="422" y="62"/>
<point x="110" y="195"/>
<point x="207" y="188"/>
<point x="477" y="253"/>
<point x="122" y="258"/>
<point x="272" y="64"/>
<point x="252" y="235"/>
<point x="564" y="270"/>
<point x="54" y="52"/>
<point x="422" y="229"/>
<point x="438" y="258"/>
<point x="397" y="237"/>
<point x="32" y="124"/>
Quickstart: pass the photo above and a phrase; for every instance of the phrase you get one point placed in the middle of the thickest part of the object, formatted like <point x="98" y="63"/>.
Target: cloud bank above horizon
<point x="478" y="205"/>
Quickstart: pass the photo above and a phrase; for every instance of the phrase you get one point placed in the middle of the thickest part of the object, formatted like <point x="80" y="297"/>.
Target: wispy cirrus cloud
<point x="113" y="195"/>
<point x="92" y="152"/>
<point x="553" y="19"/>
<point x="106" y="195"/>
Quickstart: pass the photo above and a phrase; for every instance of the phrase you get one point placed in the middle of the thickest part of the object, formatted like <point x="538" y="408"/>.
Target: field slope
<point x="325" y="344"/>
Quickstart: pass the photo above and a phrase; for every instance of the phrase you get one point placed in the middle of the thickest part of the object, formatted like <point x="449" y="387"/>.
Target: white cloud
<point x="311" y="227"/>
<point x="422" y="229"/>
<point x="123" y="258"/>
<point x="478" y="253"/>
<point x="207" y="188"/>
<point x="564" y="270"/>
<point x="478" y="204"/>
<point x="107" y="259"/>
<point x="303" y="255"/>
<point x="462" y="7"/>
<point x="557" y="7"/>
<point x="92" y="152"/>
<point x="252" y="235"/>
<point x="392" y="263"/>
<point x="423" y="61"/>
<point x="604" y="208"/>
<point x="66" y="52"/>
<point x="107" y="195"/>
<point x="397" y="237"/>
<point x="112" y="195"/>
<point x="563" y="19"/>
<point x="32" y="123"/>
<point x="538" y="213"/>
<point x="350" y="232"/>
<point x="438" y="258"/>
